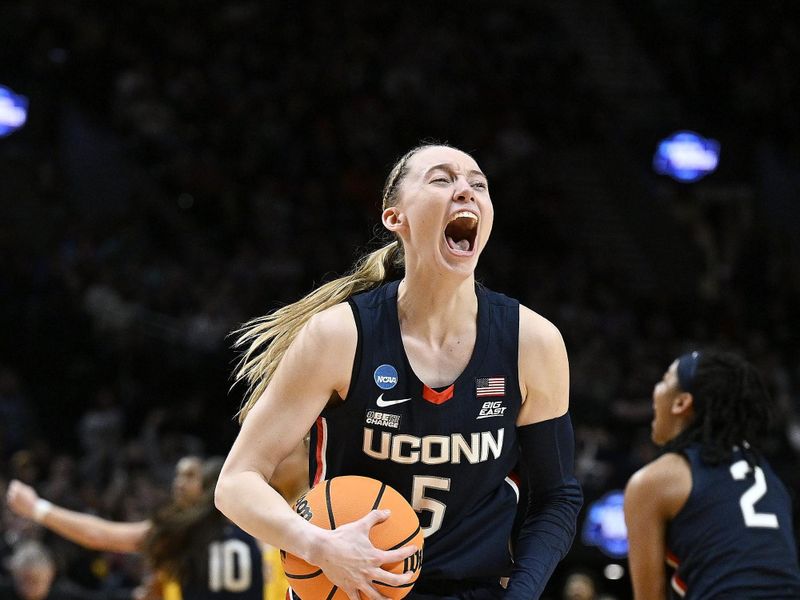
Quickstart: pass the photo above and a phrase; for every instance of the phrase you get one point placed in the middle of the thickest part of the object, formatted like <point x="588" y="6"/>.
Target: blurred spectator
<point x="16" y="421"/>
<point x="33" y="577"/>
<point x="579" y="586"/>
<point x="100" y="432"/>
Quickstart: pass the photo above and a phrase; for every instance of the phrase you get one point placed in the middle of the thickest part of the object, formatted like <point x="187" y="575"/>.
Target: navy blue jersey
<point x="235" y="569"/>
<point x="733" y="538"/>
<point x="449" y="452"/>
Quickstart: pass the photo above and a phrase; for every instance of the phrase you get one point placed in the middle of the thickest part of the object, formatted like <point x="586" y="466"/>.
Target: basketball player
<point x="409" y="372"/>
<point x="188" y="542"/>
<point x="710" y="507"/>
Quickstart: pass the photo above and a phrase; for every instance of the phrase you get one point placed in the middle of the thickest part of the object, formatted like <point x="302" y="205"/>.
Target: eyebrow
<point x="449" y="167"/>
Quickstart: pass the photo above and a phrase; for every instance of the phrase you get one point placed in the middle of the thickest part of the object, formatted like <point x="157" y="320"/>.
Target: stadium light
<point x="13" y="111"/>
<point x="604" y="526"/>
<point x="686" y="156"/>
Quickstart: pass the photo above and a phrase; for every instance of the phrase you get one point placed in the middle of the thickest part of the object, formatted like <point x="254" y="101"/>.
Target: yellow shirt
<point x="172" y="591"/>
<point x="275" y="582"/>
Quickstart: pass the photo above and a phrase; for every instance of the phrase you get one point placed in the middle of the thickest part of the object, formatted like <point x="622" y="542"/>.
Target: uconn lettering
<point x="433" y="449"/>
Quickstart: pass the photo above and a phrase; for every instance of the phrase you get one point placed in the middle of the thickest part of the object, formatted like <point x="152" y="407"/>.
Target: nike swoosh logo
<point x="384" y="403"/>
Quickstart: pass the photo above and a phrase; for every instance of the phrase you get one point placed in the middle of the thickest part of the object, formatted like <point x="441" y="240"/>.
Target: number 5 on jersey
<point x="420" y="501"/>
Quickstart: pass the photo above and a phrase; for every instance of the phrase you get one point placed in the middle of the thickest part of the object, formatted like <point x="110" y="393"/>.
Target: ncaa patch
<point x="385" y="377"/>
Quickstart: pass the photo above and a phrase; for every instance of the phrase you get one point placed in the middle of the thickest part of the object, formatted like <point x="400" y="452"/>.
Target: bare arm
<point x="316" y="367"/>
<point x="653" y="496"/>
<point x="290" y="477"/>
<point x="543" y="369"/>
<point x="84" y="529"/>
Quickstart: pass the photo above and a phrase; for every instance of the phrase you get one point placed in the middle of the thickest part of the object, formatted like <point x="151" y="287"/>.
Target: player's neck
<point x="433" y="309"/>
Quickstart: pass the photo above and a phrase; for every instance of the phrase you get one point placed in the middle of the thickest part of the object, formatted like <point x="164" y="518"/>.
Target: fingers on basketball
<point x="346" y="499"/>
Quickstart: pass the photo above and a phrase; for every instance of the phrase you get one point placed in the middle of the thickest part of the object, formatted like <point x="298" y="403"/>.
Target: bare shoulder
<point x="329" y="340"/>
<point x="536" y="332"/>
<point x="664" y="484"/>
<point x="334" y="327"/>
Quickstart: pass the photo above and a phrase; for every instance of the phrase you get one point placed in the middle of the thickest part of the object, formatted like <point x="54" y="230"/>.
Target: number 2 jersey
<point x="734" y="536"/>
<point x="450" y="452"/>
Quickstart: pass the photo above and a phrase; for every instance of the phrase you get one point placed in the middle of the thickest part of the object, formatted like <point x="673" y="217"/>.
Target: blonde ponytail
<point x="267" y="338"/>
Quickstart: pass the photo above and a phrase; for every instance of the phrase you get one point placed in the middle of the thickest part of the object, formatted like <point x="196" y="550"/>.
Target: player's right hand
<point x="21" y="498"/>
<point x="350" y="561"/>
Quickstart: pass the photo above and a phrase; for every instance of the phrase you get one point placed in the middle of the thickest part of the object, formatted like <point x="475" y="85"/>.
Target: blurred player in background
<point x="432" y="384"/>
<point x="188" y="543"/>
<point x="711" y="506"/>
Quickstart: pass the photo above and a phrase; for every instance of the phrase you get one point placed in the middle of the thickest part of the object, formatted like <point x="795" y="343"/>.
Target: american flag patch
<point x="490" y="386"/>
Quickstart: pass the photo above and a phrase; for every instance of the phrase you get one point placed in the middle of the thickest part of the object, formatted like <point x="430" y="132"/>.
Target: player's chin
<point x="458" y="269"/>
<point x="656" y="437"/>
<point x="182" y="499"/>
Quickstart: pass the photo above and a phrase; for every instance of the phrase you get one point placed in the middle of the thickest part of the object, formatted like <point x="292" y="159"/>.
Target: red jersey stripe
<point x="435" y="397"/>
<point x="319" y="453"/>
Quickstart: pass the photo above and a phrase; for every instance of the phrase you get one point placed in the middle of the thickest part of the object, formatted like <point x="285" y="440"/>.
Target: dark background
<point x="189" y="165"/>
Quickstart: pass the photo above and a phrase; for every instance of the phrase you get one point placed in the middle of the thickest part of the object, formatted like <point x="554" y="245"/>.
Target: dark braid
<point x="732" y="408"/>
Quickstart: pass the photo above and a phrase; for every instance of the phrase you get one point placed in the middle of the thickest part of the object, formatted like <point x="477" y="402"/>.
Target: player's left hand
<point x="21" y="498"/>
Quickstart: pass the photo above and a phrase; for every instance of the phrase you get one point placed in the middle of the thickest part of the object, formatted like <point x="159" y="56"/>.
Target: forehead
<point x="436" y="155"/>
<point x="672" y="371"/>
<point x="35" y="571"/>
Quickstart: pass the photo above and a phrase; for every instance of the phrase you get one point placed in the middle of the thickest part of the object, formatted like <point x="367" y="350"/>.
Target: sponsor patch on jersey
<point x="376" y="417"/>
<point x="492" y="408"/>
<point x="385" y="377"/>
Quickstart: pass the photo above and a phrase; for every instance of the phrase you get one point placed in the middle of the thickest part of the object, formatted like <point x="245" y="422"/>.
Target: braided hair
<point x="732" y="408"/>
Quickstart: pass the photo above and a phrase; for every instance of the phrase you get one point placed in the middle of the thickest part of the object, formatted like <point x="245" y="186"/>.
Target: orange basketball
<point x="340" y="500"/>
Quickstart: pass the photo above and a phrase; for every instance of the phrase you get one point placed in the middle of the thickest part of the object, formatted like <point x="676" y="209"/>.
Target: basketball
<point x="345" y="499"/>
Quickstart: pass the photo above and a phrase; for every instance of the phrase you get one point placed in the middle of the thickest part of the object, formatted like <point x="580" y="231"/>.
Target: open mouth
<point x="461" y="231"/>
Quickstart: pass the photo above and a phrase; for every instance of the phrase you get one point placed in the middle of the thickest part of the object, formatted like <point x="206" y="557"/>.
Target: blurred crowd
<point x="733" y="65"/>
<point x="184" y="171"/>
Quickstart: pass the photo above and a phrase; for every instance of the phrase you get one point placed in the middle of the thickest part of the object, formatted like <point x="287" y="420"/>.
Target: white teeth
<point x="463" y="213"/>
